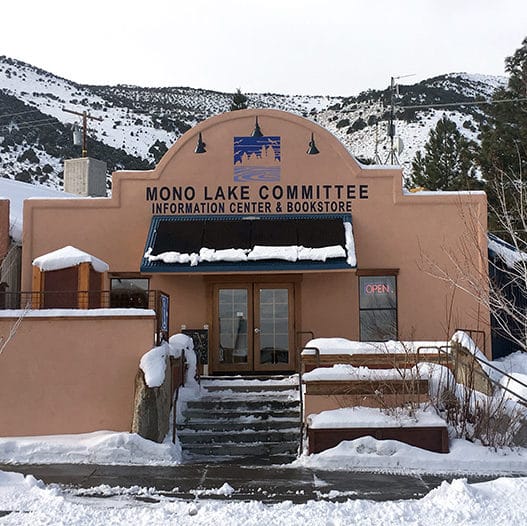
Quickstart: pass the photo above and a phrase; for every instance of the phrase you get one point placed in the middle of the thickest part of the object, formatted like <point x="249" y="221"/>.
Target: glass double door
<point x="253" y="329"/>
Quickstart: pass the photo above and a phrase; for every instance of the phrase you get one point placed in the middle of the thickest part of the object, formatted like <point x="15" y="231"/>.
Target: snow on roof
<point x="291" y="253"/>
<point x="407" y="192"/>
<point x="17" y="192"/>
<point x="68" y="257"/>
<point x="509" y="254"/>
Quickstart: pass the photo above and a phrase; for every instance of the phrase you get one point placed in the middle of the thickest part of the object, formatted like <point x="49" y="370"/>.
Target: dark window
<point x="378" y="308"/>
<point x="126" y="293"/>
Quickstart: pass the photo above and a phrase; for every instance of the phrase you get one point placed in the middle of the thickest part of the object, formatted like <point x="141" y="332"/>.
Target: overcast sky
<point x="326" y="47"/>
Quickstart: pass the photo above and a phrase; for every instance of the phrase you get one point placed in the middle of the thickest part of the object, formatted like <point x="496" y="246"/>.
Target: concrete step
<point x="238" y="418"/>
<point x="251" y="388"/>
<point x="242" y="405"/>
<point x="243" y="450"/>
<point x="251" y="378"/>
<point x="227" y="425"/>
<point x="233" y="415"/>
<point x="249" y="436"/>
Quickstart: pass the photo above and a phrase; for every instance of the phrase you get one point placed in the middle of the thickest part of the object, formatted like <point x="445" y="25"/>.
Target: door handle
<point x="256" y="330"/>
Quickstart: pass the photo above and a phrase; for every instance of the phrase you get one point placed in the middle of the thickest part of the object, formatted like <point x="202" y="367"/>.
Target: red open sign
<point x="377" y="288"/>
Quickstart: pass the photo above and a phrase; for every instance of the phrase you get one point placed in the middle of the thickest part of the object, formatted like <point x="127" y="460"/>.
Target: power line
<point x="469" y="103"/>
<point x="15" y="114"/>
<point x="29" y="124"/>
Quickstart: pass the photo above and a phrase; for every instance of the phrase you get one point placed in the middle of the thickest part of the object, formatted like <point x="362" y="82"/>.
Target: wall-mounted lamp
<point x="200" y="146"/>
<point x="257" y="132"/>
<point x="312" y="149"/>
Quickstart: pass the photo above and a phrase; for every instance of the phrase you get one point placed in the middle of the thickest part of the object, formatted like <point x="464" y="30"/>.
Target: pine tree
<point x="239" y="101"/>
<point x="448" y="161"/>
<point x="503" y="157"/>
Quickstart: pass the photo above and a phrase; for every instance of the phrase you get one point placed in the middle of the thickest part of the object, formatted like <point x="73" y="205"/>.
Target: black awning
<point x="227" y="243"/>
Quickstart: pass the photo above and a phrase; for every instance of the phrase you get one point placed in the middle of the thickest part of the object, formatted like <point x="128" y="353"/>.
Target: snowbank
<point x="367" y="453"/>
<point x="100" y="447"/>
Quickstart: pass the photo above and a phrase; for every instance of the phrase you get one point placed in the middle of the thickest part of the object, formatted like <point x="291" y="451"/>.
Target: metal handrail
<point x="300" y="391"/>
<point x="441" y="348"/>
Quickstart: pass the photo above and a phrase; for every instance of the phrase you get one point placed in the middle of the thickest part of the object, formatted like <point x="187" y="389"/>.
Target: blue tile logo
<point x="257" y="159"/>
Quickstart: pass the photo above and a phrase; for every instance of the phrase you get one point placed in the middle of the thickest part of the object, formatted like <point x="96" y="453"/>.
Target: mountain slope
<point x="139" y="124"/>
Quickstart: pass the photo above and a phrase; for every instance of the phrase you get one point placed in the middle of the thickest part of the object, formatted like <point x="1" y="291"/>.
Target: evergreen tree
<point x="448" y="161"/>
<point x="239" y="101"/>
<point x="503" y="155"/>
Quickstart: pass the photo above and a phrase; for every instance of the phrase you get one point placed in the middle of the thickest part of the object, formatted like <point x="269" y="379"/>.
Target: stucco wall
<point x="71" y="374"/>
<point x="419" y="235"/>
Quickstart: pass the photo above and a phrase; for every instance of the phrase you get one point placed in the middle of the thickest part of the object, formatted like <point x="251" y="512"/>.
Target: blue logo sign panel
<point x="257" y="159"/>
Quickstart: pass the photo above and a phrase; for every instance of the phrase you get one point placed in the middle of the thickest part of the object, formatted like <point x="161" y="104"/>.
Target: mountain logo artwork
<point x="256" y="158"/>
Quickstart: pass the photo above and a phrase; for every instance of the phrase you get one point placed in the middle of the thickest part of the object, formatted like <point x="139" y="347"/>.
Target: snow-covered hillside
<point x="139" y="124"/>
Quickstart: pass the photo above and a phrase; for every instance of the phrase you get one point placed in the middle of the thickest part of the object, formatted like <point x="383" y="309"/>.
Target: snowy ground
<point x="501" y="501"/>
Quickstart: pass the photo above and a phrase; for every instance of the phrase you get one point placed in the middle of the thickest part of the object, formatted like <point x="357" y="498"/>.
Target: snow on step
<point x="243" y="418"/>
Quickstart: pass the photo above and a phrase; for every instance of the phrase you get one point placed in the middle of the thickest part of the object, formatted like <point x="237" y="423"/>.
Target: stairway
<point x="244" y="419"/>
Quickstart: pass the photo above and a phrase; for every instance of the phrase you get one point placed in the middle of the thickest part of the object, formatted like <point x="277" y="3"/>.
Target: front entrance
<point x="253" y="327"/>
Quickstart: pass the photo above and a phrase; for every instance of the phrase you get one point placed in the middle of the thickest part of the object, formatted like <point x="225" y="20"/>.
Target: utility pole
<point x="391" y="124"/>
<point x="85" y="116"/>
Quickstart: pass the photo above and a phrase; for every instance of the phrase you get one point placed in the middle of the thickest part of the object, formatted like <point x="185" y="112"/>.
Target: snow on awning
<point x="241" y="243"/>
<point x="67" y="257"/>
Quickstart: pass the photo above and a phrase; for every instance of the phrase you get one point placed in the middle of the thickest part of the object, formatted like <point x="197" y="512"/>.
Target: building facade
<point x="262" y="229"/>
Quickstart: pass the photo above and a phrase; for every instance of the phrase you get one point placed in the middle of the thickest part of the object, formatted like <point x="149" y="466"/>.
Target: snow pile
<point x="352" y="417"/>
<point x="258" y="253"/>
<point x="100" y="447"/>
<point x="367" y="453"/>
<point x="153" y="363"/>
<point x="344" y="346"/>
<point x="226" y="490"/>
<point x="183" y="344"/>
<point x="67" y="257"/>
<point x="345" y="372"/>
<point x="350" y="244"/>
<point x="321" y="254"/>
<point x="227" y="254"/>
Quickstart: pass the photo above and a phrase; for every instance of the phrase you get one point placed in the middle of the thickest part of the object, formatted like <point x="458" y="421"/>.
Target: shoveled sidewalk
<point x="231" y="481"/>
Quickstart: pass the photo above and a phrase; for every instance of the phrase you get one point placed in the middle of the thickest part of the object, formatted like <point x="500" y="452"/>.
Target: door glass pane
<point x="274" y="326"/>
<point x="232" y="310"/>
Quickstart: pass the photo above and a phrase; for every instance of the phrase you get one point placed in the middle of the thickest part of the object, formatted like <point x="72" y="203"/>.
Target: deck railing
<point x="155" y="300"/>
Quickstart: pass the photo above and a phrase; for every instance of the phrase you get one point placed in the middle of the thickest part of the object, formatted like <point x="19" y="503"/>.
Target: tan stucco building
<point x="260" y="227"/>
